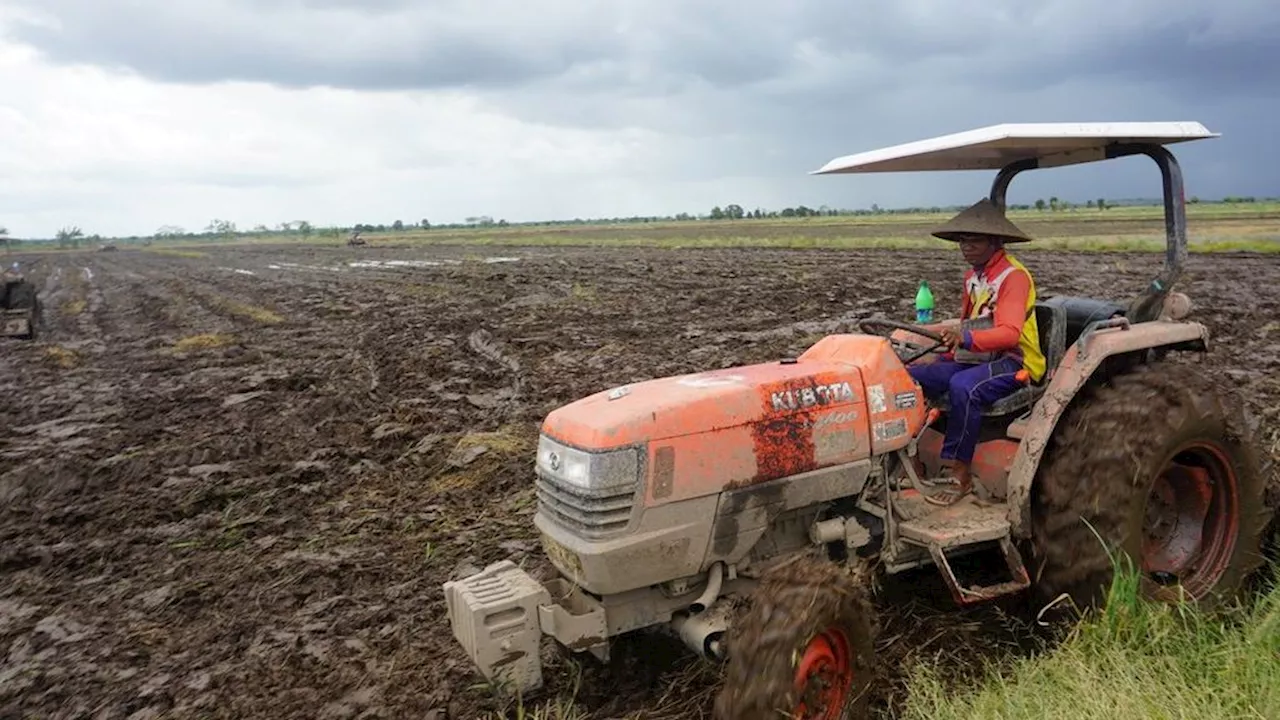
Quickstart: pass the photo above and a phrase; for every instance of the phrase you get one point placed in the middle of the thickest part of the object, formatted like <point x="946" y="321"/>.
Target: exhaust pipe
<point x="704" y="633"/>
<point x="715" y="578"/>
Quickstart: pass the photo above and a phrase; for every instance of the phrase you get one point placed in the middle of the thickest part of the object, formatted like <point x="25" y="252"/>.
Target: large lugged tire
<point x="802" y="648"/>
<point x="1162" y="464"/>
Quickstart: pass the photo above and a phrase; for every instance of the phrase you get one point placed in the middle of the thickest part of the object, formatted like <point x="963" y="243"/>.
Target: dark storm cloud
<point x="379" y="46"/>
<point x="1196" y="48"/>
<point x="643" y="47"/>
<point x="737" y="87"/>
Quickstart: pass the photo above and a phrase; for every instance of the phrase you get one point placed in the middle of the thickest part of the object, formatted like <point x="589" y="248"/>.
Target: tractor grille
<point x="592" y="515"/>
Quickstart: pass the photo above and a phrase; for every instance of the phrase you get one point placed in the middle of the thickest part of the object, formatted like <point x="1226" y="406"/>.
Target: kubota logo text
<point x="810" y="396"/>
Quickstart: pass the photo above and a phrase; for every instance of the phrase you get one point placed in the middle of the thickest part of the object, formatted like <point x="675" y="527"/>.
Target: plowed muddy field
<point x="233" y="481"/>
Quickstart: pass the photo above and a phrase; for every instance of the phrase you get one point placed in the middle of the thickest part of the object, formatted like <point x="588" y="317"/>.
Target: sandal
<point x="947" y="495"/>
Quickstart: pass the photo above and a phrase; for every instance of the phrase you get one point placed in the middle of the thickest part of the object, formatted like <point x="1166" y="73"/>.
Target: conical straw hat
<point x="981" y="218"/>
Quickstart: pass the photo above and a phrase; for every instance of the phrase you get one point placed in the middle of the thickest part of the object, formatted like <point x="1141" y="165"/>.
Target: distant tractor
<point x="355" y="240"/>
<point x="19" y="304"/>
<point x="746" y="509"/>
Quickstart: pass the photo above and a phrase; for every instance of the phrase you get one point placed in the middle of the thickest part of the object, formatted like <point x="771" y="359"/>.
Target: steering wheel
<point x="907" y="352"/>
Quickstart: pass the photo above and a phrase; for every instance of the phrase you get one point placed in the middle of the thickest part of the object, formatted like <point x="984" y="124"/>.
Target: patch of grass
<point x="422" y="291"/>
<point x="560" y="707"/>
<point x="174" y="252"/>
<point x="1136" y="659"/>
<point x="689" y="238"/>
<point x="73" y="307"/>
<point x="252" y="312"/>
<point x="508" y="442"/>
<point x="62" y="357"/>
<point x="1237" y="227"/>
<point x="457" y="480"/>
<point x="1213" y="228"/>
<point x="583" y="293"/>
<point x="203" y="341"/>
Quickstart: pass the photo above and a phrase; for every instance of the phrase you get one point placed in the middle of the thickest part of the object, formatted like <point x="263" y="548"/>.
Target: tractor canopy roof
<point x="997" y="146"/>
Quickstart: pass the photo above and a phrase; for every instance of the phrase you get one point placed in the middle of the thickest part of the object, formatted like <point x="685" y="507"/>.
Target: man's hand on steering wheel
<point x="951" y="337"/>
<point x="908" y="351"/>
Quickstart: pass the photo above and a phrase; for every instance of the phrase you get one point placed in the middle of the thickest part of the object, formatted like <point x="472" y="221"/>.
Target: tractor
<point x="749" y="510"/>
<point x="19" y="304"/>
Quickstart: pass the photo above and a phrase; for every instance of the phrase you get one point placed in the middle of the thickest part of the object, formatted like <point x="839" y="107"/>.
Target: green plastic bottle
<point x="924" y="303"/>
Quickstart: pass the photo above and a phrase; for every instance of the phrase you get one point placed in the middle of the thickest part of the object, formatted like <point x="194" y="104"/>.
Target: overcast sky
<point x="123" y="116"/>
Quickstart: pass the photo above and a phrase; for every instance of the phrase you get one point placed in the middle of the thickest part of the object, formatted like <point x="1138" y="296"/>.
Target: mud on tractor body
<point x="744" y="508"/>
<point x="19" y="306"/>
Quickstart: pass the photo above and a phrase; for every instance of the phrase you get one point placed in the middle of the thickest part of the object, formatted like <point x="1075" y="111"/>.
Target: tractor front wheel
<point x="1159" y="463"/>
<point x="802" y="649"/>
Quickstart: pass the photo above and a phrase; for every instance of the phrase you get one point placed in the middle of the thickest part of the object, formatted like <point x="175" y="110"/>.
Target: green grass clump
<point x="174" y="252"/>
<point x="203" y="341"/>
<point x="1135" y="659"/>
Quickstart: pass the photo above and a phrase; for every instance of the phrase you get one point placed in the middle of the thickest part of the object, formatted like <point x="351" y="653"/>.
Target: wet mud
<point x="232" y="483"/>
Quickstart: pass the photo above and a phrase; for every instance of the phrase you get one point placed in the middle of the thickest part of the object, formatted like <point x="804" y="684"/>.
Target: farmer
<point x="995" y="351"/>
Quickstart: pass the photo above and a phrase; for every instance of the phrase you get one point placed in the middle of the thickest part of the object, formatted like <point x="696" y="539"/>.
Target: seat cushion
<point x="1018" y="401"/>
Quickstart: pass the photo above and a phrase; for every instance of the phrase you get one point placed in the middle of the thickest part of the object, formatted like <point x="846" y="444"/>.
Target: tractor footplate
<point x="966" y="522"/>
<point x="964" y="528"/>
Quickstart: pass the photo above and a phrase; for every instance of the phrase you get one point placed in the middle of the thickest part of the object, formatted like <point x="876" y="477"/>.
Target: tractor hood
<point x="703" y="402"/>
<point x="844" y="399"/>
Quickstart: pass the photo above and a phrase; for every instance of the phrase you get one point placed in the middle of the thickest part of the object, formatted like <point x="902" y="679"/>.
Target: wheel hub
<point x="1191" y="520"/>
<point x="823" y="677"/>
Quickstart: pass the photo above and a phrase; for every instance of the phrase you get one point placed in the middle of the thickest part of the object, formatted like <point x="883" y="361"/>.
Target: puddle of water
<point x="376" y="264"/>
<point x="298" y="266"/>
<point x="398" y="263"/>
<point x="238" y="270"/>
<point x="88" y="274"/>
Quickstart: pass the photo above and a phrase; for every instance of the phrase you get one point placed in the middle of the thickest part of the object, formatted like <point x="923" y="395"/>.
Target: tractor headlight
<point x="613" y="470"/>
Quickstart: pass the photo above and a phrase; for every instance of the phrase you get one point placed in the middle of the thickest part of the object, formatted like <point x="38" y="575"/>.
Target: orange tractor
<point x="747" y="509"/>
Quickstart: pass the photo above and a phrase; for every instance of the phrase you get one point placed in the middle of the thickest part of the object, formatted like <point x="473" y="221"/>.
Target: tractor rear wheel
<point x="1161" y="464"/>
<point x="802" y="649"/>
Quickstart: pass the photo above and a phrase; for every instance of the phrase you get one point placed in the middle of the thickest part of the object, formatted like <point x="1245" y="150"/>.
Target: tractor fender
<point x="1106" y="339"/>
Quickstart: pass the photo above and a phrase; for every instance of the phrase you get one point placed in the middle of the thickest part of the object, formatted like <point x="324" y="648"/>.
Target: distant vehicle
<point x="19" y="305"/>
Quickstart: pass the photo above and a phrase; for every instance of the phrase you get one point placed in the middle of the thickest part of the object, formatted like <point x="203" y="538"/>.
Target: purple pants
<point x="972" y="388"/>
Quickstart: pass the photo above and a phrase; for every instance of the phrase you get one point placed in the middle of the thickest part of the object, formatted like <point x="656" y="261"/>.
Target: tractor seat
<point x="1051" y="321"/>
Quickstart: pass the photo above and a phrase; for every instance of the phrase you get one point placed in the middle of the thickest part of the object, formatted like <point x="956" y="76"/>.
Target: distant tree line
<point x="73" y="237"/>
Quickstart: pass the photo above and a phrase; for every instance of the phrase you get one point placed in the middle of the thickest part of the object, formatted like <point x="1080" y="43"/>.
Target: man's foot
<point x="950" y="488"/>
<point x="946" y="496"/>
